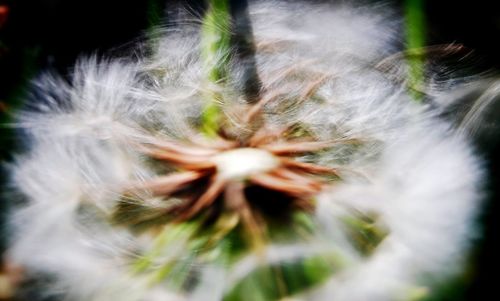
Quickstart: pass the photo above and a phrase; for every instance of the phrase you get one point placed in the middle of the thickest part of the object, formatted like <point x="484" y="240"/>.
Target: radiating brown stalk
<point x="237" y="202"/>
<point x="289" y="187"/>
<point x="291" y="147"/>
<point x="309" y="167"/>
<point x="186" y="161"/>
<point x="283" y="148"/>
<point x="257" y="108"/>
<point x="171" y="146"/>
<point x="218" y="143"/>
<point x="165" y="185"/>
<point x="266" y="135"/>
<point x="313" y="87"/>
<point x="215" y="187"/>
<point x="288" y="174"/>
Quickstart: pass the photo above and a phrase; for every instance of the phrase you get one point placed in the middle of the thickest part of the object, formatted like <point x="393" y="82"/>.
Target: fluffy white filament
<point x="413" y="170"/>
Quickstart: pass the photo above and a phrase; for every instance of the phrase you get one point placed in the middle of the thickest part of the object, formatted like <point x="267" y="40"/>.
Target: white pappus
<point x="119" y="170"/>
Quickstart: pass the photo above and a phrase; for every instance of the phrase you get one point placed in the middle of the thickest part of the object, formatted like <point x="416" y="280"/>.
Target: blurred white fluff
<point x="422" y="178"/>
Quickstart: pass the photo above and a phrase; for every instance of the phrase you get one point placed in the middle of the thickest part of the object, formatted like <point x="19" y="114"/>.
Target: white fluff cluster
<point x="413" y="171"/>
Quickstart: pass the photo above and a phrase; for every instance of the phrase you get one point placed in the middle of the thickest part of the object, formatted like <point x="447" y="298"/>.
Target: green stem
<point x="215" y="49"/>
<point x="415" y="39"/>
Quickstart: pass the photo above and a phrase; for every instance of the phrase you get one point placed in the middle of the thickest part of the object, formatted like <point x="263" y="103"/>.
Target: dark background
<point x="37" y="35"/>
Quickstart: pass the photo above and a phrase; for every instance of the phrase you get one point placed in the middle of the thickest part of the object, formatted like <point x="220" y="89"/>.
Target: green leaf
<point x="171" y="235"/>
<point x="285" y="279"/>
<point x="365" y="232"/>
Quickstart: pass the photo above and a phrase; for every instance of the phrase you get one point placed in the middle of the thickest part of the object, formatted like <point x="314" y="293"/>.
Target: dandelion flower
<point x="164" y="178"/>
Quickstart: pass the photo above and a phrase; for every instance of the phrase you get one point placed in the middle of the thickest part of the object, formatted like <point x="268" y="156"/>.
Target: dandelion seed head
<point x="120" y="181"/>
